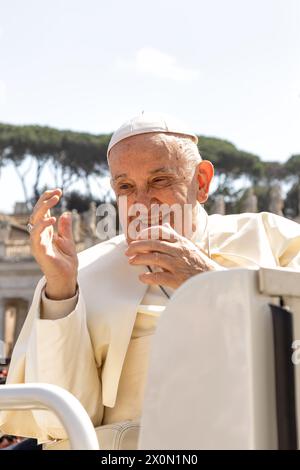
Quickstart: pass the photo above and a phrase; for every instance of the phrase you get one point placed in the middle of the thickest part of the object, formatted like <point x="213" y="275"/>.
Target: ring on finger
<point x="29" y="227"/>
<point x="30" y="224"/>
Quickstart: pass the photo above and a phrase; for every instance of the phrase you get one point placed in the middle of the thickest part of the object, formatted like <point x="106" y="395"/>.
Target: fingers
<point x="154" y="259"/>
<point x="36" y="232"/>
<point x="39" y="227"/>
<point x="49" y="193"/>
<point x="163" y="279"/>
<point x="64" y="245"/>
<point x="42" y="208"/>
<point x="137" y="247"/>
<point x="64" y="226"/>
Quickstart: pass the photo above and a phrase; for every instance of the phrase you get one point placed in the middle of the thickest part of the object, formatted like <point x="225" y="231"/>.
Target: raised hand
<point x="55" y="252"/>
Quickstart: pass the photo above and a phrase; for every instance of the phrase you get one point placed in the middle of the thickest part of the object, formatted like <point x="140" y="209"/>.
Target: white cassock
<point x="99" y="351"/>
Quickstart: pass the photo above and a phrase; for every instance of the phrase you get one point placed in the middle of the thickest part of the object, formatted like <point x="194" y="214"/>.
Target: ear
<point x="205" y="173"/>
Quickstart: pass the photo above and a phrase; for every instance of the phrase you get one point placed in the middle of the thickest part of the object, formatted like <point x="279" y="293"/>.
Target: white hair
<point x="183" y="144"/>
<point x="178" y="144"/>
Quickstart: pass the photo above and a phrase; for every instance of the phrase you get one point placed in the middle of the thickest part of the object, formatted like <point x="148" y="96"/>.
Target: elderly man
<point x="90" y="325"/>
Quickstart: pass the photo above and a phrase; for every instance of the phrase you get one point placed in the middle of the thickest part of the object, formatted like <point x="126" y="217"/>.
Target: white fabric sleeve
<point x="58" y="352"/>
<point x="55" y="309"/>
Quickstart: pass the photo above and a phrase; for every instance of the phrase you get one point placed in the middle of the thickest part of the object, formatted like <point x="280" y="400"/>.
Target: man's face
<point x="152" y="169"/>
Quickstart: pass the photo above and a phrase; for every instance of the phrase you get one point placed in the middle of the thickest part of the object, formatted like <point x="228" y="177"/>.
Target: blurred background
<point x="71" y="71"/>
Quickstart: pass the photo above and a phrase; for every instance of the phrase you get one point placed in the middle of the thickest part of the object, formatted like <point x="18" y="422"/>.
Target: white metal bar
<point x="68" y="409"/>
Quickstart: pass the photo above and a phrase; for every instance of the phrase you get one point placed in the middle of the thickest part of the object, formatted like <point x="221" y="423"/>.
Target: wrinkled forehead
<point x="147" y="142"/>
<point x="144" y="153"/>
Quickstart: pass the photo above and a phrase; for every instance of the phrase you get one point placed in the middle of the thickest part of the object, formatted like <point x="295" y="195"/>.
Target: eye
<point x="161" y="181"/>
<point x="124" y="188"/>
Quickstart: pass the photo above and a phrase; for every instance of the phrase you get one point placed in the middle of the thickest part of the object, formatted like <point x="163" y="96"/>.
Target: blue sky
<point x="230" y="69"/>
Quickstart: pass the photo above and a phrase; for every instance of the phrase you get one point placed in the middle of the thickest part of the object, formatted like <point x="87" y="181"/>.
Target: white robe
<point x="85" y="351"/>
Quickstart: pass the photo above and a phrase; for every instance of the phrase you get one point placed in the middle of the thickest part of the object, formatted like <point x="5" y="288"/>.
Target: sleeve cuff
<point x="55" y="309"/>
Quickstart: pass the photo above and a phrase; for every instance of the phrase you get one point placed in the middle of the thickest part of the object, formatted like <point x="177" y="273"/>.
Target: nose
<point x="144" y="197"/>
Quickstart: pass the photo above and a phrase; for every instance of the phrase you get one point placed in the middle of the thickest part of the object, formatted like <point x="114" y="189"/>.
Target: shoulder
<point x="268" y="221"/>
<point x="232" y="222"/>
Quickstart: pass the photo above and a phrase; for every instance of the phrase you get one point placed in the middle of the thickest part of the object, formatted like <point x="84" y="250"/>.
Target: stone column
<point x="10" y="328"/>
<point x="3" y="346"/>
<point x="2" y="249"/>
<point x="2" y="316"/>
<point x="219" y="205"/>
<point x="250" y="201"/>
<point x="22" y="307"/>
<point x="76" y="225"/>
<point x="276" y="200"/>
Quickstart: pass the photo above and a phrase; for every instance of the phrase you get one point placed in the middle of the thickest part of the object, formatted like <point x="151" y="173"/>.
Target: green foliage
<point x="80" y="202"/>
<point x="81" y="152"/>
<point x="293" y="165"/>
<point x="76" y="156"/>
<point x="228" y="160"/>
<point x="292" y="201"/>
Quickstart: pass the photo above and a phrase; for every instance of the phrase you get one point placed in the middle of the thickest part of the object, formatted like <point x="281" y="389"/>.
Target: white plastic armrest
<point x="68" y="409"/>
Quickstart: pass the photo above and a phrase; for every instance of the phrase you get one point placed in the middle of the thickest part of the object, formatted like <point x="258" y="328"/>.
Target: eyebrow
<point x="162" y="169"/>
<point x="122" y="175"/>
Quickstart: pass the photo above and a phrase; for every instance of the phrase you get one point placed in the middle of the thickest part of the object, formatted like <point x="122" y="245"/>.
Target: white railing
<point x="68" y="409"/>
